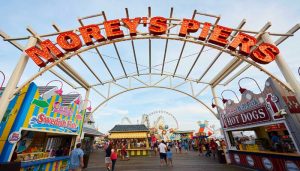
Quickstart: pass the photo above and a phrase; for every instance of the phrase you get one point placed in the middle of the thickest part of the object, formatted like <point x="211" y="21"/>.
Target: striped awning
<point x="128" y="135"/>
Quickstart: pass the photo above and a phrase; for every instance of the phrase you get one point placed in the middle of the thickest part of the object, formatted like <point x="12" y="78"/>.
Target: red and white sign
<point x="14" y="137"/>
<point x="259" y="114"/>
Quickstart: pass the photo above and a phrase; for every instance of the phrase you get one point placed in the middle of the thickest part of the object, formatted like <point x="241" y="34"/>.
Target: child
<point x="169" y="157"/>
<point x="113" y="157"/>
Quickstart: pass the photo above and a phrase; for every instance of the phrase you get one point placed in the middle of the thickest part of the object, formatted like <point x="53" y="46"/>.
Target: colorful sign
<point x="69" y="41"/>
<point x="14" y="137"/>
<point x="259" y="114"/>
<point x="43" y="121"/>
<point x="63" y="110"/>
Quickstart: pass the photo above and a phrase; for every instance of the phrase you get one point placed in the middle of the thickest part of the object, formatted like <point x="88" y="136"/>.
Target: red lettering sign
<point x="158" y="25"/>
<point x="188" y="26"/>
<point x="253" y="116"/>
<point x="219" y="35"/>
<point x="112" y="29"/>
<point x="132" y="24"/>
<point x="47" y="51"/>
<point x="89" y="32"/>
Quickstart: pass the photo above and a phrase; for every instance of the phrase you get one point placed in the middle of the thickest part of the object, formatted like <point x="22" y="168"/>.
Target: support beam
<point x="243" y="22"/>
<point x="202" y="48"/>
<point x="14" y="79"/>
<point x="62" y="78"/>
<point x="87" y="94"/>
<point x="89" y="68"/>
<point x="73" y="74"/>
<point x="64" y="66"/>
<point x="180" y="56"/>
<point x="234" y="63"/>
<point x="133" y="48"/>
<point x="284" y="68"/>
<point x="277" y="43"/>
<point x="106" y="66"/>
<point x="116" y="49"/>
<point x="167" y="41"/>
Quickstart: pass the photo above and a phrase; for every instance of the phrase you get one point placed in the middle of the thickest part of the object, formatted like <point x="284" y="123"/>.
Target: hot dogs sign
<point x="253" y="108"/>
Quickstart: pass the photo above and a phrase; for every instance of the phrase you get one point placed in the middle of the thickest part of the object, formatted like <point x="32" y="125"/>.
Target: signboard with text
<point x="259" y="114"/>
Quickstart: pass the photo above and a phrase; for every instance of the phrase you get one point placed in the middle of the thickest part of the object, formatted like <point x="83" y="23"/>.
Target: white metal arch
<point x="174" y="88"/>
<point x="172" y="23"/>
<point x="194" y="40"/>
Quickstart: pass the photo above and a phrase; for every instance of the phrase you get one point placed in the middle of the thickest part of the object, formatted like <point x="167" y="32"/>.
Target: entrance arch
<point x="61" y="62"/>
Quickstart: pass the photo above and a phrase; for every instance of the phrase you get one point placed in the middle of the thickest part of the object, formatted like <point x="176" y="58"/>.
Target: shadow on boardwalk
<point x="181" y="162"/>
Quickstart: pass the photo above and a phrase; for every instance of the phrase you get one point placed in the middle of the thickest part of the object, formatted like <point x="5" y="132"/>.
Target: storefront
<point x="183" y="135"/>
<point x="41" y="128"/>
<point x="262" y="130"/>
<point x="135" y="137"/>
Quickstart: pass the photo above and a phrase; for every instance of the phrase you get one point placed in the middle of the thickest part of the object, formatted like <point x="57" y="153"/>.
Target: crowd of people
<point x="164" y="149"/>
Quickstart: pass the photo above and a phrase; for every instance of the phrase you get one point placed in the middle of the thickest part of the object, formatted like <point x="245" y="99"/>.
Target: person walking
<point x="207" y="149"/>
<point x="170" y="157"/>
<point x="180" y="146"/>
<point x="176" y="147"/>
<point x="155" y="148"/>
<point x="162" y="152"/>
<point x="124" y="152"/>
<point x="186" y="146"/>
<point x="113" y="157"/>
<point x="214" y="147"/>
<point x="107" y="157"/>
<point x="76" y="159"/>
<point x="200" y="148"/>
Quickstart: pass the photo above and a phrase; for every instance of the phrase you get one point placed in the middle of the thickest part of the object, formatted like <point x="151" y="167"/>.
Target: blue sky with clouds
<point x="16" y="16"/>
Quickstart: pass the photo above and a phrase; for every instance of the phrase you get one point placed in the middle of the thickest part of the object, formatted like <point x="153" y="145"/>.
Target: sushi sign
<point x="69" y="41"/>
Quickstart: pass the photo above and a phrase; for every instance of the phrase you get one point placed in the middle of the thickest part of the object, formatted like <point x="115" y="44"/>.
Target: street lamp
<point x="58" y="91"/>
<point x="90" y="107"/>
<point x="226" y="100"/>
<point x="242" y="90"/>
<point x="77" y="101"/>
<point x="212" y="103"/>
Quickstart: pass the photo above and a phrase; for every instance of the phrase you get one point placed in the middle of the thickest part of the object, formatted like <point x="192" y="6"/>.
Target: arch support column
<point x="14" y="79"/>
<point x="284" y="68"/>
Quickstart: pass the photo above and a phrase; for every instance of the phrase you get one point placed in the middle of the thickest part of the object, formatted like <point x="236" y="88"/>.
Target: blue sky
<point x="17" y="15"/>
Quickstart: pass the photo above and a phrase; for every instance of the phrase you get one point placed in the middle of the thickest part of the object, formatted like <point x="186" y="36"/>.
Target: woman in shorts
<point x="107" y="157"/>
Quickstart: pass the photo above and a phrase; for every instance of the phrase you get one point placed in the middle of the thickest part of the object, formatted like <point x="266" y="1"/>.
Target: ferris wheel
<point x="160" y="113"/>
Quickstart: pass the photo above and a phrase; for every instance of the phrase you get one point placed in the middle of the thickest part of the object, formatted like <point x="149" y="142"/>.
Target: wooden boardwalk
<point x="182" y="162"/>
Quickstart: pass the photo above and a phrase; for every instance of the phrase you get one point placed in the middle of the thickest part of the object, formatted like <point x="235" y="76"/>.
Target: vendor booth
<point x="41" y="127"/>
<point x="134" y="136"/>
<point x="262" y="130"/>
<point x="183" y="135"/>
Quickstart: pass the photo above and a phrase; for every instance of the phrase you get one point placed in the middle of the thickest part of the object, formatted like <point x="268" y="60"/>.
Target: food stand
<point x="262" y="130"/>
<point x="183" y="135"/>
<point x="40" y="128"/>
<point x="134" y="136"/>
